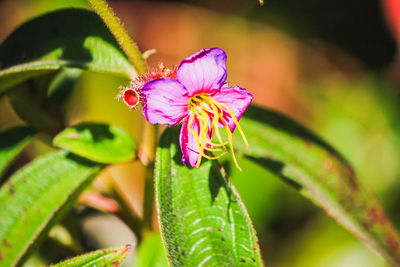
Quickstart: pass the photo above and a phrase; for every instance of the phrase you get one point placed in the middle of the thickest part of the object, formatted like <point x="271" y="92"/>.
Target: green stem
<point x="148" y="204"/>
<point x="117" y="29"/>
<point x="147" y="153"/>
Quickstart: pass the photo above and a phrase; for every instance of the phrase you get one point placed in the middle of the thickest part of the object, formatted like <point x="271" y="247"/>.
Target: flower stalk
<point x="117" y="29"/>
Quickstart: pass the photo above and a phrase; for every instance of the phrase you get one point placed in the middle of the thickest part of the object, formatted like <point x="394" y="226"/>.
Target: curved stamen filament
<point x="213" y="149"/>
<point x="208" y="114"/>
<point x="237" y="124"/>
<point x="214" y="157"/>
<point x="218" y="145"/>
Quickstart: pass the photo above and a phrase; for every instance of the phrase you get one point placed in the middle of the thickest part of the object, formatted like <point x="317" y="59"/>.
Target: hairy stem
<point x="148" y="203"/>
<point x="117" y="29"/>
<point x="146" y="154"/>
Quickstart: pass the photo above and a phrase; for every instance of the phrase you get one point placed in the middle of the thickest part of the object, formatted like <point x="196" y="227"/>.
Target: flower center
<point x="210" y="114"/>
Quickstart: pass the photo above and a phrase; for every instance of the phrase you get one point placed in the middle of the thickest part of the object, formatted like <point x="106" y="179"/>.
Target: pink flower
<point x="201" y="99"/>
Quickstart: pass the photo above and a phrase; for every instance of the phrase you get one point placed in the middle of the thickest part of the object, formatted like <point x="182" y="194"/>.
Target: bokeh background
<point x="331" y="65"/>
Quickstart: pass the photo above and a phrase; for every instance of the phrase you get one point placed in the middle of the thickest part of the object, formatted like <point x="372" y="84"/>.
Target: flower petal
<point x="190" y="152"/>
<point x="165" y="101"/>
<point x="237" y="99"/>
<point x="204" y="71"/>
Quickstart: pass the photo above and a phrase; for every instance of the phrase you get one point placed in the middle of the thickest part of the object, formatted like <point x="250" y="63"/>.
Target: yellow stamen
<point x="230" y="139"/>
<point x="214" y="157"/>
<point x="237" y="124"/>
<point x="218" y="145"/>
<point x="208" y="114"/>
<point x="213" y="149"/>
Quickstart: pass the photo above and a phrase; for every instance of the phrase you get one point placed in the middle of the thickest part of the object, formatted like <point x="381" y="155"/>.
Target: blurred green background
<point x="332" y="65"/>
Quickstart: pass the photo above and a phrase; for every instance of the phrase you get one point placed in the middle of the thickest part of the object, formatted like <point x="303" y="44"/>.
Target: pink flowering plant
<point x="186" y="211"/>
<point x="201" y="100"/>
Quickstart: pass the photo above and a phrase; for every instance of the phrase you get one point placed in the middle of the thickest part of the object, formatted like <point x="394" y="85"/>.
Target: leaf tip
<point x="127" y="248"/>
<point x="122" y="253"/>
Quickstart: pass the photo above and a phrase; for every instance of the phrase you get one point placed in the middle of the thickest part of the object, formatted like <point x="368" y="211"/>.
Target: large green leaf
<point x="203" y="221"/>
<point x="64" y="38"/>
<point x="111" y="257"/>
<point x="98" y="142"/>
<point x="14" y="75"/>
<point x="35" y="197"/>
<point x="39" y="103"/>
<point x="298" y="157"/>
<point x="33" y="113"/>
<point x="12" y="142"/>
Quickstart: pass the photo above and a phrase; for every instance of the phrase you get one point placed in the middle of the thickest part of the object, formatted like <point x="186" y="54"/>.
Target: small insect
<point x="131" y="94"/>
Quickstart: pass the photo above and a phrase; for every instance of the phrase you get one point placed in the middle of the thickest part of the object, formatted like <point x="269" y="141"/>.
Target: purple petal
<point x="204" y="71"/>
<point x="237" y="99"/>
<point x="190" y="152"/>
<point x="165" y="101"/>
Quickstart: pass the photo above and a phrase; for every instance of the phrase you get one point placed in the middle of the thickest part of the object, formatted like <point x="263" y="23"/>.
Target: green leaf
<point x="15" y="75"/>
<point x="12" y="142"/>
<point x="33" y="114"/>
<point x="203" y="221"/>
<point x="64" y="38"/>
<point x="320" y="174"/>
<point x="112" y="257"/>
<point x="98" y="142"/>
<point x="39" y="103"/>
<point x="151" y="253"/>
<point x="36" y="197"/>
